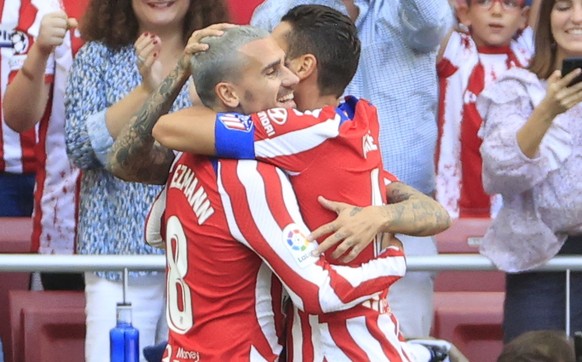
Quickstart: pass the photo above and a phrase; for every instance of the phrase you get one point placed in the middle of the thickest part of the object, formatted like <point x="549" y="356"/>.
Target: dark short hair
<point x="114" y="23"/>
<point x="331" y="37"/>
<point x="539" y="346"/>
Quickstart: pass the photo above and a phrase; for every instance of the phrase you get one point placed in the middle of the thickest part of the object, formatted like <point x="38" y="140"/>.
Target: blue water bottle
<point x="124" y="337"/>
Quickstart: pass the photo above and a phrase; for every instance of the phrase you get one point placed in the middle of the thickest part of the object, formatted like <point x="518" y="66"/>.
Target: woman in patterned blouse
<point x="131" y="47"/>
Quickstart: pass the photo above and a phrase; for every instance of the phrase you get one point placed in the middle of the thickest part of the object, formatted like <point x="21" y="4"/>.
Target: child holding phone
<point x="496" y="39"/>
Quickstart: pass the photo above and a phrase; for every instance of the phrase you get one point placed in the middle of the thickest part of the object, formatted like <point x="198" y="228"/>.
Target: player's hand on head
<point x="352" y="230"/>
<point x="195" y="46"/>
<point x="147" y="50"/>
<point x="53" y="27"/>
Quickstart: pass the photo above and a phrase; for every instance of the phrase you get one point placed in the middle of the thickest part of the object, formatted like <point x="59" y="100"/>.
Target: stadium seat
<point x="469" y="304"/>
<point x="472" y="321"/>
<point x="15" y="236"/>
<point x="47" y="326"/>
<point x="464" y="236"/>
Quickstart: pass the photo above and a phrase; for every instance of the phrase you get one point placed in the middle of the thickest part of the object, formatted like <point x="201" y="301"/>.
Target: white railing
<point x="80" y="263"/>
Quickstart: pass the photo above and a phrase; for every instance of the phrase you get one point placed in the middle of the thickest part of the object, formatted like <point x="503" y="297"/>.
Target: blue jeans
<point x="16" y="194"/>
<point x="537" y="300"/>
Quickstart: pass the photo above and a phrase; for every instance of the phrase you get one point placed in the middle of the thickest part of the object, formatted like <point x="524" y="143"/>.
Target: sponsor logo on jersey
<point x="235" y="121"/>
<point x="277" y="115"/>
<point x="184" y="354"/>
<point x="298" y="245"/>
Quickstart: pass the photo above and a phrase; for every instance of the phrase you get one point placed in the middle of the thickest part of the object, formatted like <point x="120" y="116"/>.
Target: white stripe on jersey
<point x="255" y="356"/>
<point x="332" y="352"/>
<point x="267" y="225"/>
<point x="258" y="203"/>
<point x="298" y="141"/>
<point x="299" y="334"/>
<point x="270" y="334"/>
<point x="358" y="331"/>
<point x="265" y="222"/>
<point x="264" y="307"/>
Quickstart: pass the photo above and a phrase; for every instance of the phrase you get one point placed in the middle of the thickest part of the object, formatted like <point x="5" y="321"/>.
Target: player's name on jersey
<point x="186" y="181"/>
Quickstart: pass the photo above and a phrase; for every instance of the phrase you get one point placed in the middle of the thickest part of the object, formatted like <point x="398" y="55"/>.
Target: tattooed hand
<point x="353" y="229"/>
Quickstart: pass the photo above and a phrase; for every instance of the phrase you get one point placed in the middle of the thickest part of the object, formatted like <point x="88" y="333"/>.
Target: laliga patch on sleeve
<point x="298" y="245"/>
<point x="235" y="121"/>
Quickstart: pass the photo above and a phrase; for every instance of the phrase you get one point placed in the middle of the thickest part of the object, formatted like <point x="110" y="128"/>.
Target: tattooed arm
<point x="409" y="211"/>
<point x="135" y="156"/>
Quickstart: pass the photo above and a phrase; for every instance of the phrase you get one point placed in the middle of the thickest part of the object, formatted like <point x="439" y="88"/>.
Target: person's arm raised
<point x="27" y="96"/>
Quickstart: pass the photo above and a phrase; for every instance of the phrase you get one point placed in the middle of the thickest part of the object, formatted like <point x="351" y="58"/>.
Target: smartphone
<point x="578" y="346"/>
<point x="568" y="65"/>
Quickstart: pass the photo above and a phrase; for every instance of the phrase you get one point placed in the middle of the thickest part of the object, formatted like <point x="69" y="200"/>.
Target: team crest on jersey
<point x="298" y="245"/>
<point x="235" y="121"/>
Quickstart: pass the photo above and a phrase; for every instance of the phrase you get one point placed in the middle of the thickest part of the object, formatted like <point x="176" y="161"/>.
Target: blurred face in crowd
<point x="566" y="26"/>
<point x="493" y="22"/>
<point x="155" y="15"/>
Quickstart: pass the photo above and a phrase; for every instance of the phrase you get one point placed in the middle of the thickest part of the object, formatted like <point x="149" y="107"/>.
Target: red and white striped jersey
<point x="232" y="231"/>
<point x="332" y="152"/>
<point x="56" y="192"/>
<point x="464" y="71"/>
<point x="16" y="150"/>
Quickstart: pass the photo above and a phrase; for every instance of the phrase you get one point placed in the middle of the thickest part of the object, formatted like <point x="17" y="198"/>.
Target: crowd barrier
<point x="80" y="263"/>
<point x="470" y="319"/>
<point x="468" y="298"/>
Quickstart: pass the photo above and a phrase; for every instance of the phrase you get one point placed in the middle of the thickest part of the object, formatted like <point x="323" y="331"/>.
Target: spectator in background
<point x="36" y="96"/>
<point x="397" y="74"/>
<point x="539" y="346"/>
<point x="466" y="63"/>
<point x="17" y="159"/>
<point x="105" y="88"/>
<point x="532" y="156"/>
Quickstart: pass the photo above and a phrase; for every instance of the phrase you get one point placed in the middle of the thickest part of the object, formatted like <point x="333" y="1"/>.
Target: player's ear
<point x="305" y="65"/>
<point x="226" y="94"/>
